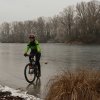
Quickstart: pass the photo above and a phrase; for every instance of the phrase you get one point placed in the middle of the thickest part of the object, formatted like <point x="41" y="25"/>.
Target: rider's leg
<point x="38" y="55"/>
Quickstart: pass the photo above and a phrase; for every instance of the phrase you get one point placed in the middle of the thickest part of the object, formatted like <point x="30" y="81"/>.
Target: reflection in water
<point x="35" y="88"/>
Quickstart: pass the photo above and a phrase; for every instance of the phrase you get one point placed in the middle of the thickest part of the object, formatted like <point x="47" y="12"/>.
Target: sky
<point x="21" y="10"/>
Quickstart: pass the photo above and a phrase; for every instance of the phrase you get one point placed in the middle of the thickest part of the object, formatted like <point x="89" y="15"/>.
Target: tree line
<point x="80" y="23"/>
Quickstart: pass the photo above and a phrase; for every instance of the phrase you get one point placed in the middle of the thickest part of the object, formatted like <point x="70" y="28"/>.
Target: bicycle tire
<point x="25" y="74"/>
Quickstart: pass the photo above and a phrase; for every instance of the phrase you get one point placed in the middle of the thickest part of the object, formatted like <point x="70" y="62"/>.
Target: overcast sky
<point x="20" y="10"/>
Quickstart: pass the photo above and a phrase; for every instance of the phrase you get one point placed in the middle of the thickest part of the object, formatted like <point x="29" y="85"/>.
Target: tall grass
<point x="79" y="85"/>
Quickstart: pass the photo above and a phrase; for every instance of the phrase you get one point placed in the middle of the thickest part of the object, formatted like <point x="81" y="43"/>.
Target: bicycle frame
<point x="35" y="70"/>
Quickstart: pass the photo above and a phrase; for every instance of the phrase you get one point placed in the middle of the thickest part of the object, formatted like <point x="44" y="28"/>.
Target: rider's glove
<point x="25" y="54"/>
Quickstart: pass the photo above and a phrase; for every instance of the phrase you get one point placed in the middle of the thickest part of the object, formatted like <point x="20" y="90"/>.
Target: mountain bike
<point x="31" y="71"/>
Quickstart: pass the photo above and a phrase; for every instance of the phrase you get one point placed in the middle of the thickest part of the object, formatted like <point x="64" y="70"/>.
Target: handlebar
<point x="27" y="55"/>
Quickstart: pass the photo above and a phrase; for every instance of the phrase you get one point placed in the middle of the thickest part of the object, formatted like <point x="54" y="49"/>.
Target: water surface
<point x="58" y="57"/>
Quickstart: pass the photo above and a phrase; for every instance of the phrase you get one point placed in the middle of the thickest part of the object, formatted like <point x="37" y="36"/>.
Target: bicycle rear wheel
<point x="29" y="74"/>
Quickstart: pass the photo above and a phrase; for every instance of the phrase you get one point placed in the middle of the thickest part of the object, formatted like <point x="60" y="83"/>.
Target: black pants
<point x="37" y="56"/>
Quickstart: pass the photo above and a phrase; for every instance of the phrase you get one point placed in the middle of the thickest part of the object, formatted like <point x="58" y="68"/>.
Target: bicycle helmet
<point x="31" y="36"/>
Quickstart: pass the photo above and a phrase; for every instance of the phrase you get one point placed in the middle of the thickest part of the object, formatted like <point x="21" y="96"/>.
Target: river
<point x="59" y="57"/>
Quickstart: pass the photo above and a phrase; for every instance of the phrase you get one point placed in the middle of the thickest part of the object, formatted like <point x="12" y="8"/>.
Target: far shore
<point x="54" y="42"/>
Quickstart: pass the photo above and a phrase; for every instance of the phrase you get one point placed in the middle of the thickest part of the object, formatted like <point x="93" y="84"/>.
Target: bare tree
<point x="80" y="23"/>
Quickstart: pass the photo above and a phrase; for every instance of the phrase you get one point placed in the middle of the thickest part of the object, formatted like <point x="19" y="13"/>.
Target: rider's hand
<point x="25" y="54"/>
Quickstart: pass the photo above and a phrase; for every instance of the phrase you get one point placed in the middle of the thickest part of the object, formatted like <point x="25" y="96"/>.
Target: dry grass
<point x="79" y="85"/>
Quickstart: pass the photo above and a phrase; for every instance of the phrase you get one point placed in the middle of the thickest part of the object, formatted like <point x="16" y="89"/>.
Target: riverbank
<point x="7" y="93"/>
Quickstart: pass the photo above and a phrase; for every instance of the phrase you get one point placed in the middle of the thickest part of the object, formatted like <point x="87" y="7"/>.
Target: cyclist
<point x="34" y="46"/>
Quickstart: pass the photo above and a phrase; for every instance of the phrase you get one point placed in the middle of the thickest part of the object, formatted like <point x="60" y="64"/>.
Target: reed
<point x="78" y="85"/>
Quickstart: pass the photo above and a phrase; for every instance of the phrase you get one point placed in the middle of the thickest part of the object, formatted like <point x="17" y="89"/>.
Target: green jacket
<point x="33" y="46"/>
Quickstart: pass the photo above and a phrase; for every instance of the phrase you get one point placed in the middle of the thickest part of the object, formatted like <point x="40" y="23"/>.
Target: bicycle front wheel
<point x="29" y="74"/>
